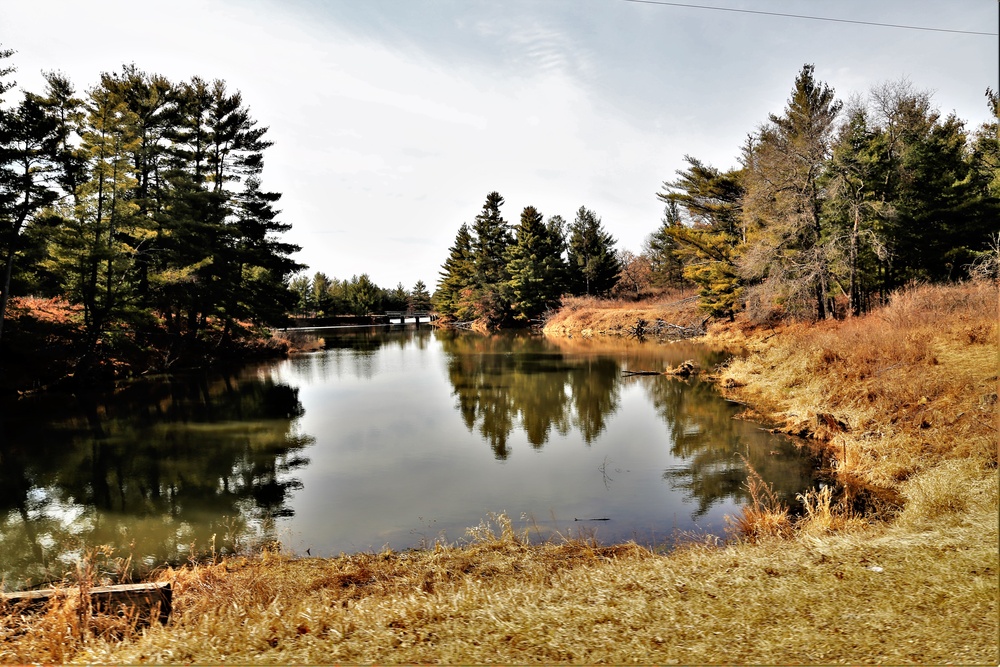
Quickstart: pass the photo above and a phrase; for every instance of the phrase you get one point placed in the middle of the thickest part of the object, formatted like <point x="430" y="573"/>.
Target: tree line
<point x="833" y="207"/>
<point x="322" y="296"/>
<point x="141" y="202"/>
<point x="499" y="274"/>
<point x="836" y="205"/>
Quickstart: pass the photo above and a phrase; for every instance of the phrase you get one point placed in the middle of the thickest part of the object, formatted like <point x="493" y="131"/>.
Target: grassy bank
<point x="587" y="317"/>
<point x="903" y="403"/>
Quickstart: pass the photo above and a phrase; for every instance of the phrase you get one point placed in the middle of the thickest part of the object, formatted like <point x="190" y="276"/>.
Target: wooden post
<point x="145" y="599"/>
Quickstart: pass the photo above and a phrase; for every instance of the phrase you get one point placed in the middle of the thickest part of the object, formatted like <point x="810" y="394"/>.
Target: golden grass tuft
<point x="764" y="516"/>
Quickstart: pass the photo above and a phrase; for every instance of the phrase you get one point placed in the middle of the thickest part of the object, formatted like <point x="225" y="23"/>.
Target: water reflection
<point x="155" y="468"/>
<point x="406" y="429"/>
<point x="507" y="382"/>
<point x="353" y="352"/>
<point x="713" y="449"/>
<point x="503" y="384"/>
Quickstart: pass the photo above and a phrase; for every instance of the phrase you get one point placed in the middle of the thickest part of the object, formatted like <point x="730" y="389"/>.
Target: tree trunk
<point x="853" y="302"/>
<point x="5" y="293"/>
<point x="8" y="268"/>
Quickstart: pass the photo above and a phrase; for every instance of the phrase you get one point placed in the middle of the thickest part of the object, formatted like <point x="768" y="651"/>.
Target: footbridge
<point x="408" y="316"/>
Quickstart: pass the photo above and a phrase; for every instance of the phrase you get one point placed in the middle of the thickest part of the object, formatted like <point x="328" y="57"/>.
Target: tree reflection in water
<point x="712" y="446"/>
<point x="506" y="382"/>
<point x="157" y="469"/>
<point x="502" y="382"/>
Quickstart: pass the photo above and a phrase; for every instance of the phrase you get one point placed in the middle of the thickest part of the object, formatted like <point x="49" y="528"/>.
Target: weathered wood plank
<point x="146" y="599"/>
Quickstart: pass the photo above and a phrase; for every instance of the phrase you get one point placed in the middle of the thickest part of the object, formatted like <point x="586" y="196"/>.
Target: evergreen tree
<point x="535" y="265"/>
<point x="707" y="243"/>
<point x="490" y="240"/>
<point x="337" y="295"/>
<point x="453" y="296"/>
<point x="259" y="261"/>
<point x="28" y="142"/>
<point x="148" y="99"/>
<point x="939" y="220"/>
<point x="94" y="249"/>
<point x="143" y="199"/>
<point x="419" y="298"/>
<point x="853" y="210"/>
<point x="593" y="264"/>
<point x="906" y="197"/>
<point x="662" y="251"/>
<point x="785" y="257"/>
<point x="986" y="162"/>
<point x="362" y="295"/>
<point x="396" y="298"/>
<point x="300" y="286"/>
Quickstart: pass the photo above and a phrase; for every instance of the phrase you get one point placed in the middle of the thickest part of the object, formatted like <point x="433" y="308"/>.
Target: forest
<point x="134" y="214"/>
<point x="833" y="207"/>
<point x="137" y="210"/>
<point x="323" y="296"/>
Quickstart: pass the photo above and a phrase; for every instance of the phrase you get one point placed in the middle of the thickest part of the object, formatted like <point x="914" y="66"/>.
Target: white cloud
<point x="391" y="123"/>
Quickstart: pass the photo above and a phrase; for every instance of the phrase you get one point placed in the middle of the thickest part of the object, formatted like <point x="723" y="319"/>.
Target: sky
<point x="393" y="119"/>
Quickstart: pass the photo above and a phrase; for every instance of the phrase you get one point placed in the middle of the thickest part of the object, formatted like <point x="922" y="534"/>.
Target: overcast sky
<point x="392" y="119"/>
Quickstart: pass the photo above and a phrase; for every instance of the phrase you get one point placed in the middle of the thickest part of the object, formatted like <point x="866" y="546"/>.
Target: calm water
<point x="387" y="437"/>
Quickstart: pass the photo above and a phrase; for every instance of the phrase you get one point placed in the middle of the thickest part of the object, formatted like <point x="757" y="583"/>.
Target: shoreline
<point x="901" y="400"/>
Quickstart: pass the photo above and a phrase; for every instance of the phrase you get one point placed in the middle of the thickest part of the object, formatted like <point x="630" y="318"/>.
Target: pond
<point x="389" y="437"/>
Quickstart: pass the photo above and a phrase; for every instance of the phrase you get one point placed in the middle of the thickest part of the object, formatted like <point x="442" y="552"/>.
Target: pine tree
<point x="362" y="295"/>
<point x="94" y="249"/>
<point x="707" y="243"/>
<point x="396" y="299"/>
<point x="419" y="298"/>
<point x="662" y="251"/>
<point x="853" y="210"/>
<point x="301" y="287"/>
<point x="535" y="265"/>
<point x="452" y="298"/>
<point x="28" y="142"/>
<point x="490" y="240"/>
<point x="260" y="264"/>
<point x="786" y="257"/>
<point x="593" y="264"/>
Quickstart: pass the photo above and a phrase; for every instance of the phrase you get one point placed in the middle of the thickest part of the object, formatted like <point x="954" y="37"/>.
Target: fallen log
<point x="146" y="602"/>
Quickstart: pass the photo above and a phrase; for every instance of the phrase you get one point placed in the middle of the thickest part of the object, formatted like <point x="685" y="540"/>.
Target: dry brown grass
<point x="841" y="588"/>
<point x="888" y="595"/>
<point x="297" y="342"/>
<point x="915" y="383"/>
<point x="51" y="311"/>
<point x="590" y="316"/>
<point x="764" y="516"/>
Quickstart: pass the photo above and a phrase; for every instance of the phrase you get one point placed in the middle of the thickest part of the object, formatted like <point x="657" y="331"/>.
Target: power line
<point x="812" y="18"/>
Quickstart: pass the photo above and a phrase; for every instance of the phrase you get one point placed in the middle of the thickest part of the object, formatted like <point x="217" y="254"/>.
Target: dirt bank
<point x="587" y="317"/>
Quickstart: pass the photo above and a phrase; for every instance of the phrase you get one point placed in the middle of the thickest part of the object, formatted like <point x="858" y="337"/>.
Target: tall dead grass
<point x="891" y="594"/>
<point x="764" y="516"/>
<point x="911" y="385"/>
<point x="590" y="316"/>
